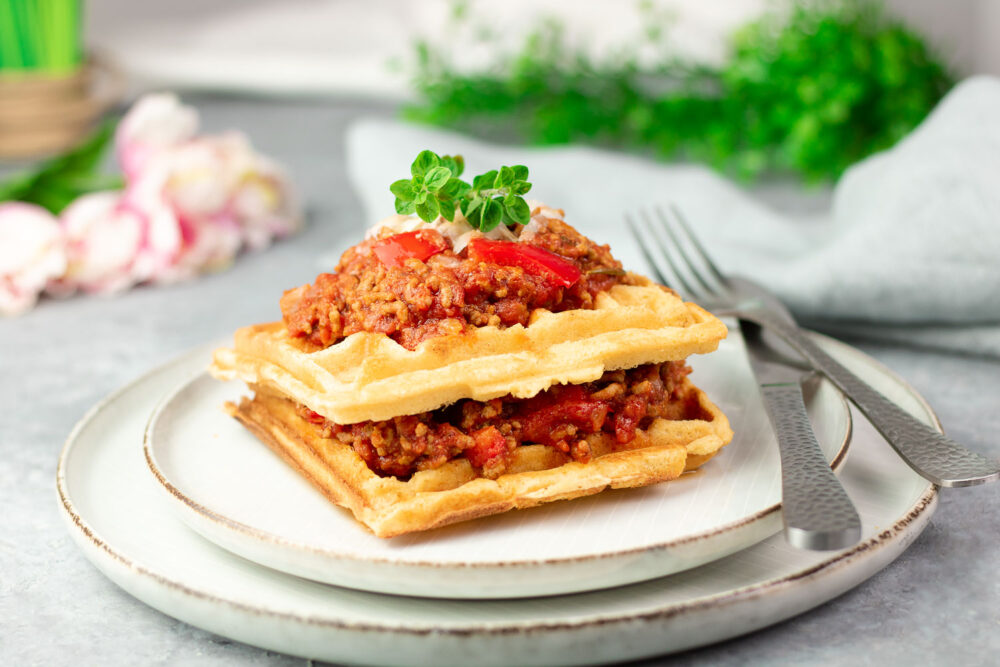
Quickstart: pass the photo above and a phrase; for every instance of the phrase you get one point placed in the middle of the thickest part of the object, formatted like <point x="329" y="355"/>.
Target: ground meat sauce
<point x="487" y="432"/>
<point x="446" y="294"/>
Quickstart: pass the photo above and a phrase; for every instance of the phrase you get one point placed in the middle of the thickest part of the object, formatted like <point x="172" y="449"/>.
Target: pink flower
<point x="31" y="254"/>
<point x="114" y="241"/>
<point x="155" y="123"/>
<point x="225" y="196"/>
<point x="194" y="181"/>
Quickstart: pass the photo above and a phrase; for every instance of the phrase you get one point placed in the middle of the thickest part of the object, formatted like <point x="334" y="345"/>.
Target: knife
<point x="818" y="514"/>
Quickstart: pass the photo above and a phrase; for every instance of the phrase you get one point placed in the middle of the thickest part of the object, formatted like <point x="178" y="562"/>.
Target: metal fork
<point x="683" y="263"/>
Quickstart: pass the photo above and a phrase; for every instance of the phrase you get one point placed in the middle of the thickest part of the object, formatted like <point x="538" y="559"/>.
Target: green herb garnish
<point x="436" y="189"/>
<point x="809" y="89"/>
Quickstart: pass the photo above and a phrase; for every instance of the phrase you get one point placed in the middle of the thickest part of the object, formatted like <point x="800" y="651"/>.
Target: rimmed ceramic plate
<point x="115" y="512"/>
<point x="237" y="493"/>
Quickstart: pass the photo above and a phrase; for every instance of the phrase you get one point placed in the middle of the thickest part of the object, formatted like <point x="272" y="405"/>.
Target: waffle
<point x="369" y="376"/>
<point x="453" y="492"/>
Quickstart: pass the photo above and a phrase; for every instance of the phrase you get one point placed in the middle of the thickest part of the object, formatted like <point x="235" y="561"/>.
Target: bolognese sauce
<point x="414" y="286"/>
<point x="487" y="432"/>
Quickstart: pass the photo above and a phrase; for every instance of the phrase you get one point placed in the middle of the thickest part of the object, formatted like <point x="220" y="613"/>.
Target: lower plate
<point x="240" y="495"/>
<point x="117" y="516"/>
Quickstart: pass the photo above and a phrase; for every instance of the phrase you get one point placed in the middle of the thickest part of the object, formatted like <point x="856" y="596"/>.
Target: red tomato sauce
<point x="413" y="286"/>
<point x="487" y="433"/>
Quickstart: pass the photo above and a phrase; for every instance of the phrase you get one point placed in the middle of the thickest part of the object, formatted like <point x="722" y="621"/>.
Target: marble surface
<point x="939" y="603"/>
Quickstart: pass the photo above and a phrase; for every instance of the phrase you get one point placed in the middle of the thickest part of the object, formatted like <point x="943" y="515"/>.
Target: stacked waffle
<point x="369" y="377"/>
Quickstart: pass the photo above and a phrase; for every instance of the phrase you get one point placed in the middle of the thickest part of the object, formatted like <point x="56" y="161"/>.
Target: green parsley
<point x="809" y="88"/>
<point x="435" y="189"/>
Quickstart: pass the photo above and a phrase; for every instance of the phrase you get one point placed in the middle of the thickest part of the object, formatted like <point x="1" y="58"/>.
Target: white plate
<point x="116" y="513"/>
<point x="239" y="494"/>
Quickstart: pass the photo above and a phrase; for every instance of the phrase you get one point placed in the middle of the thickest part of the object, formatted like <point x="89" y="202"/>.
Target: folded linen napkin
<point x="910" y="251"/>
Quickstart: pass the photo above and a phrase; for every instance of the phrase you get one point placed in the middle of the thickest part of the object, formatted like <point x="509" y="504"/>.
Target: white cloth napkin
<point x="910" y="251"/>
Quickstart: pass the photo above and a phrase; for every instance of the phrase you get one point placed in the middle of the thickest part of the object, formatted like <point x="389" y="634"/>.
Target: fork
<point x="683" y="263"/>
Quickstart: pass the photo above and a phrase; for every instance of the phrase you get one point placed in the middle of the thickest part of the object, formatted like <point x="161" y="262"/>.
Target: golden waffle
<point x="368" y="376"/>
<point x="452" y="492"/>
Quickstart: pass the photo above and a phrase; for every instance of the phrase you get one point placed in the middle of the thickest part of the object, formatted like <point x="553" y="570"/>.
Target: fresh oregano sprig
<point x="435" y="189"/>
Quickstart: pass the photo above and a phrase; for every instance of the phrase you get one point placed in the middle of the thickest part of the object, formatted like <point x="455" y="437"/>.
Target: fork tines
<point x="677" y="257"/>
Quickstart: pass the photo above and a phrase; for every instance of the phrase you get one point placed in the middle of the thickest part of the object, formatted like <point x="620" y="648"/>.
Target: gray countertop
<point x="938" y="603"/>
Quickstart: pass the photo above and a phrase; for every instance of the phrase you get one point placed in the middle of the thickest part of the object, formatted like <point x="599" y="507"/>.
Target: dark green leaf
<point x="492" y="213"/>
<point x="520" y="172"/>
<point x="475" y="217"/>
<point x="472" y="206"/>
<point x="447" y="207"/>
<point x="428" y="210"/>
<point x="504" y="177"/>
<point x="517" y="209"/>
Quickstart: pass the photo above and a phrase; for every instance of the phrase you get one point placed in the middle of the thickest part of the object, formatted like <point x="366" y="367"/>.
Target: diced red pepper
<point x="422" y="244"/>
<point x="311" y="416"/>
<point x="567" y="404"/>
<point x="532" y="259"/>
<point x="490" y="446"/>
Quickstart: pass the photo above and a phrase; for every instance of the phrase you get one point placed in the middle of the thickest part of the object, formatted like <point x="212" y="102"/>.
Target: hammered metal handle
<point x="931" y="454"/>
<point x="818" y="513"/>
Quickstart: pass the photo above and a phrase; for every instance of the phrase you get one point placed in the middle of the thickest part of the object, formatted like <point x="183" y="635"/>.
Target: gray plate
<point x="237" y="493"/>
<point x="116" y="513"/>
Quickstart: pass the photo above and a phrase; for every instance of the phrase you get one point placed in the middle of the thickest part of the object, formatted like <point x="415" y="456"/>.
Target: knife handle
<point x="929" y="452"/>
<point x="818" y="513"/>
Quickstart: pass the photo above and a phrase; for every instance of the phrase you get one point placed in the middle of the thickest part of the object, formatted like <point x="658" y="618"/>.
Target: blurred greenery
<point x="58" y="181"/>
<point x="809" y="89"/>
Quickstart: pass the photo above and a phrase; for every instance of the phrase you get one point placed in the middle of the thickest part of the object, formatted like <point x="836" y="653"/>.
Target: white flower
<point x="157" y="122"/>
<point x="31" y="254"/>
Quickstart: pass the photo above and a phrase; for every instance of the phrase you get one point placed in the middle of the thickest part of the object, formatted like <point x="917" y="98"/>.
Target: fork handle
<point x="817" y="512"/>
<point x="930" y="453"/>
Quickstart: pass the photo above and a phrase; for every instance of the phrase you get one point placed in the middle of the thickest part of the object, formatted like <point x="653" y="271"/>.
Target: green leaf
<point x="521" y="188"/>
<point x="428" y="210"/>
<point x="57" y="182"/>
<point x="425" y="161"/>
<point x="475" y="217"/>
<point x="405" y="207"/>
<point x="454" y="163"/>
<point x="471" y="206"/>
<point x="455" y="188"/>
<point x="447" y="207"/>
<point x="403" y="189"/>
<point x="435" y="179"/>
<point x="491" y="215"/>
<point x="517" y="209"/>
<point x="520" y="172"/>
<point x="484" y="181"/>
<point x="504" y="178"/>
